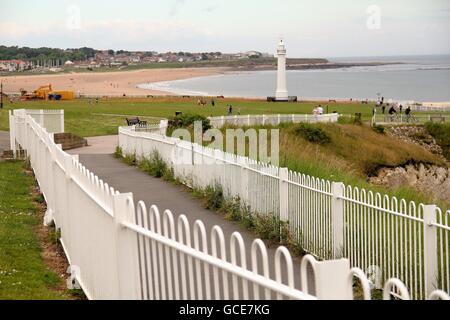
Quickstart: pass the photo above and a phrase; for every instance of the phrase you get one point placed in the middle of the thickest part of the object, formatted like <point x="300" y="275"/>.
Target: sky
<point x="310" y="28"/>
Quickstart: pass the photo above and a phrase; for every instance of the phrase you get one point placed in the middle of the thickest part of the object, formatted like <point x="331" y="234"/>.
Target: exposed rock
<point x="417" y="135"/>
<point x="428" y="179"/>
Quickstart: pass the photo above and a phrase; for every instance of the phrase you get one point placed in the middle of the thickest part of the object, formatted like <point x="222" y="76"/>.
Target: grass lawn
<point x="23" y="273"/>
<point x="85" y="119"/>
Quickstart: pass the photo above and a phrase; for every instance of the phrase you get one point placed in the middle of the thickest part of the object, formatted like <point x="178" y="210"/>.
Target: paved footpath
<point x="163" y="194"/>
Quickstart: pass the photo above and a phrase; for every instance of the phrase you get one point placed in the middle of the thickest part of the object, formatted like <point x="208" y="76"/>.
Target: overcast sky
<point x="311" y="28"/>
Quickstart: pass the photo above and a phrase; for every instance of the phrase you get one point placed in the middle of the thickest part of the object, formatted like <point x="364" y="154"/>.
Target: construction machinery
<point x="47" y="93"/>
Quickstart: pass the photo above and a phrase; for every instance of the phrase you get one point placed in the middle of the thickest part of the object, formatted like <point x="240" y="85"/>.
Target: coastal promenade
<point x="98" y="158"/>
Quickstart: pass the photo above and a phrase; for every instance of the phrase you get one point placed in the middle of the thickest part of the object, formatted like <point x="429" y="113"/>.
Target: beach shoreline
<point x="106" y="83"/>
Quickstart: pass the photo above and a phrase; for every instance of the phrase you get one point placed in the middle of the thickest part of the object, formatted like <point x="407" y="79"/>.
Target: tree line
<point x="45" y="54"/>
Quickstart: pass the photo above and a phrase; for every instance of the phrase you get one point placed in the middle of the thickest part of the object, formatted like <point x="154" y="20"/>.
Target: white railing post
<point x="49" y="215"/>
<point x="244" y="183"/>
<point x="41" y="118"/>
<point x="337" y="214"/>
<point x="128" y="286"/>
<point x="248" y="120"/>
<point x="279" y="119"/>
<point x="263" y="119"/>
<point x="12" y="127"/>
<point x="61" y="120"/>
<point x="430" y="248"/>
<point x="283" y="176"/>
<point x="163" y="124"/>
<point x="332" y="278"/>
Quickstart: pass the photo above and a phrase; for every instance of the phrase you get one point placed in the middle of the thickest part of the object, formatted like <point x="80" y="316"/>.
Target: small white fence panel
<point x="272" y="119"/>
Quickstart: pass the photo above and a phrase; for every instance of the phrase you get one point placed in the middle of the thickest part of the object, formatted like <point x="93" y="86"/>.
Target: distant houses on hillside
<point x="88" y="58"/>
<point x="15" y="65"/>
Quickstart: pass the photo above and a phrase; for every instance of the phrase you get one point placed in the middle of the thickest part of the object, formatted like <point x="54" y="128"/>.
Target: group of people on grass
<point x="392" y="111"/>
<point x="202" y="102"/>
<point x="318" y="110"/>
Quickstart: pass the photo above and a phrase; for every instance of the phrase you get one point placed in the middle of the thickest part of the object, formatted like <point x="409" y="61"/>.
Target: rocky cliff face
<point x="432" y="180"/>
<point x="428" y="179"/>
<point x="417" y="135"/>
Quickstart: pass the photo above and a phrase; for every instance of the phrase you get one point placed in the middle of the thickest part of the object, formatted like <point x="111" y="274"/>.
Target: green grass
<point x="91" y="119"/>
<point x="23" y="274"/>
<point x="441" y="133"/>
<point x="86" y="119"/>
<point x="349" y="153"/>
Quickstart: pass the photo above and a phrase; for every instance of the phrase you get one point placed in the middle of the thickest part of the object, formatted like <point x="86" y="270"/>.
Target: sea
<point x="412" y="78"/>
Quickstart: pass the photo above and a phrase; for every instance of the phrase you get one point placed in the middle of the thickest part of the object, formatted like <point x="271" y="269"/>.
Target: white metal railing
<point x="119" y="251"/>
<point x="409" y="119"/>
<point x="384" y="236"/>
<point x="430" y="106"/>
<point x="272" y="119"/>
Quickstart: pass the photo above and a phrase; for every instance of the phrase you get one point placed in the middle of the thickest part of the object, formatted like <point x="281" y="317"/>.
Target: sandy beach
<point x="105" y="83"/>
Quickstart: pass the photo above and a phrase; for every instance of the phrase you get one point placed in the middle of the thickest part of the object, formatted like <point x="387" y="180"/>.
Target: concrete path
<point x="165" y="195"/>
<point x="4" y="141"/>
<point x="98" y="145"/>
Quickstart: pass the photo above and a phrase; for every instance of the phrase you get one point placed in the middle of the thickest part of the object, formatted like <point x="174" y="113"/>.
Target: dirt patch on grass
<point x="52" y="252"/>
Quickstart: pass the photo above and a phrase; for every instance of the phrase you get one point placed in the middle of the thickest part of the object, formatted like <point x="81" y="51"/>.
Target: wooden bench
<point x="135" y="121"/>
<point x="437" y="119"/>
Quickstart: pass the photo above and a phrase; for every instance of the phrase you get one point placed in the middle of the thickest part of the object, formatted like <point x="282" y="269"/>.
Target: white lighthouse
<point x="281" y="94"/>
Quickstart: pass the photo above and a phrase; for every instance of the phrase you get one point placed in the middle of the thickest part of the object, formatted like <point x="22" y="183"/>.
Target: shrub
<point x="154" y="165"/>
<point x="378" y="129"/>
<point x="232" y="209"/>
<point x="213" y="197"/>
<point x="267" y="226"/>
<point x="345" y="119"/>
<point x="118" y="153"/>
<point x="187" y="121"/>
<point x="441" y="133"/>
<point x="54" y="235"/>
<point x="312" y="133"/>
<point x="130" y="159"/>
<point x="169" y="175"/>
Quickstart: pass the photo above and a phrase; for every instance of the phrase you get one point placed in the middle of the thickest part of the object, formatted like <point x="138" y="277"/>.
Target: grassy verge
<point x="86" y="118"/>
<point x="348" y="153"/>
<point x="441" y="133"/>
<point x="92" y="119"/>
<point x="23" y="270"/>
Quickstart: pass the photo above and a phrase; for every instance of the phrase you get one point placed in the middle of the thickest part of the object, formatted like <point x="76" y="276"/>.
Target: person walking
<point x="392" y="112"/>
<point x="408" y="113"/>
<point x="213" y="103"/>
<point x="230" y="110"/>
<point x="383" y="109"/>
